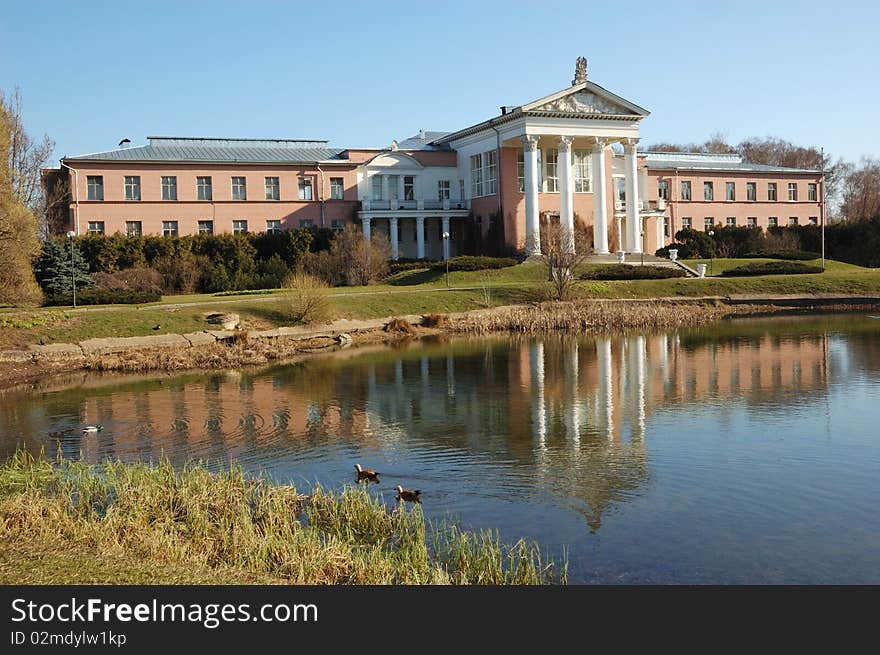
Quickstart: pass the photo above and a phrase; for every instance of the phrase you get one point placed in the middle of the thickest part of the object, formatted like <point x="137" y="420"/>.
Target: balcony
<point x="413" y="205"/>
<point x="658" y="205"/>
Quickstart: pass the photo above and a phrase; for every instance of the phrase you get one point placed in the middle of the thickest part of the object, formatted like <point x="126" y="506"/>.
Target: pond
<point x="744" y="452"/>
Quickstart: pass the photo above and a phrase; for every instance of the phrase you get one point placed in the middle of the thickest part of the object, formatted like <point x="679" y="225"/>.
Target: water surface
<point x="746" y="452"/>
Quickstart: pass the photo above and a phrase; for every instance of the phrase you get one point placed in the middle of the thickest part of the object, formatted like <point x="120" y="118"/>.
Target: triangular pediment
<point x="586" y="99"/>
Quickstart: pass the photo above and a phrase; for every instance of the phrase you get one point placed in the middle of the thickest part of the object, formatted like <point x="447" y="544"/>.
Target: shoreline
<point x="214" y="350"/>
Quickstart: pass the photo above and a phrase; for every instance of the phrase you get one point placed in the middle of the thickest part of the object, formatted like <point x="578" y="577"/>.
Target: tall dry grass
<point x="590" y="316"/>
<point x="228" y="522"/>
<point x="308" y="298"/>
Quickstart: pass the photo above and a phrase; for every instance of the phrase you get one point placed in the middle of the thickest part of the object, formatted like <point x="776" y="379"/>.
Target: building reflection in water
<point x="564" y="416"/>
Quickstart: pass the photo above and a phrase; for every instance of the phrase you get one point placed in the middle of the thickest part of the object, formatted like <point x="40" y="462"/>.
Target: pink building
<point x="571" y="156"/>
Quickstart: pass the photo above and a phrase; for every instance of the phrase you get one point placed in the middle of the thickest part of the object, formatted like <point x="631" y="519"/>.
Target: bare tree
<point x="27" y="157"/>
<point x="561" y="252"/>
<point x="860" y="190"/>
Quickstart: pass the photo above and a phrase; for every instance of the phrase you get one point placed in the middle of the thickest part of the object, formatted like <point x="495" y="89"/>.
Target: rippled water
<point x="745" y="452"/>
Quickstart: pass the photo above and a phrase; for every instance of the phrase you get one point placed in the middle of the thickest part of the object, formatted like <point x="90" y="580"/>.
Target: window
<point x="306" y="223"/>
<point x="708" y="223"/>
<point x="685" y="190"/>
<point x="239" y="188"/>
<point x="443" y="191"/>
<point x="203" y="188"/>
<point x="272" y="189"/>
<point x="393" y="189"/>
<point x="239" y="227"/>
<point x="461" y="189"/>
<point x="337" y="225"/>
<point x="686" y="223"/>
<point x="409" y="187"/>
<point x="751" y="191"/>
<point x="206" y="227"/>
<point x="708" y="191"/>
<point x="814" y="220"/>
<point x="95" y="185"/>
<point x="812" y="192"/>
<point x="752" y="221"/>
<point x="730" y="190"/>
<point x="169" y="228"/>
<point x="273" y="227"/>
<point x="305" y="188"/>
<point x="792" y="220"/>
<point x="96" y="227"/>
<point x="730" y="221"/>
<point x="377" y="187"/>
<point x="521" y="170"/>
<point x="169" y="187"/>
<point x="582" y="171"/>
<point x="337" y="190"/>
<point x="772" y="221"/>
<point x="133" y="228"/>
<point x="663" y="190"/>
<point x="792" y="190"/>
<point x="476" y="176"/>
<point x="551" y="171"/>
<point x="771" y="191"/>
<point x="132" y="187"/>
<point x="491" y="172"/>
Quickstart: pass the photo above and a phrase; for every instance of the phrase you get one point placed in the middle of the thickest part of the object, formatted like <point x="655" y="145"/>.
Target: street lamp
<point x="446" y="255"/>
<point x="70" y="236"/>
<point x="711" y="250"/>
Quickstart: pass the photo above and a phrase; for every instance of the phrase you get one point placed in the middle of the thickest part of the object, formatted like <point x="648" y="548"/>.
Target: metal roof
<point x="187" y="149"/>
<point x="705" y="161"/>
<point x="422" y="141"/>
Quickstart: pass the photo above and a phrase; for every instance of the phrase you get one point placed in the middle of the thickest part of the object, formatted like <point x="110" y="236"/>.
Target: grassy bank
<point x="68" y="523"/>
<point x="408" y="292"/>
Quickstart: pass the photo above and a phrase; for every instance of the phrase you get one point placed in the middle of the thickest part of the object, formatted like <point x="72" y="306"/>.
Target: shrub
<point x="400" y="326"/>
<point x="322" y="265"/>
<point x="147" y="280"/>
<point x="629" y="272"/>
<point x="802" y="255"/>
<point x="96" y="296"/>
<point x="408" y="265"/>
<point x="183" y="273"/>
<point x="685" y="251"/>
<point x="474" y="263"/>
<point x="308" y="299"/>
<point x="433" y="320"/>
<point x="771" y="268"/>
<point x="58" y="265"/>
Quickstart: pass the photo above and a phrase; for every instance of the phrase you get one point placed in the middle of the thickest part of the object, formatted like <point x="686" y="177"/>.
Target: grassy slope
<point x="410" y="292"/>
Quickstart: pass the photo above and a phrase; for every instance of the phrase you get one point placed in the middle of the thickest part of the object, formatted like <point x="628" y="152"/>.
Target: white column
<point x="639" y="353"/>
<point x="400" y="193"/>
<point x="533" y="226"/>
<point x="448" y="247"/>
<point x="566" y="193"/>
<point x="633" y="219"/>
<point x="661" y="238"/>
<point x="573" y="414"/>
<point x="392" y="228"/>
<point x="385" y="194"/>
<point x="539" y="408"/>
<point x="366" y="222"/>
<point x="420" y="237"/>
<point x="605" y="384"/>
<point x="600" y="199"/>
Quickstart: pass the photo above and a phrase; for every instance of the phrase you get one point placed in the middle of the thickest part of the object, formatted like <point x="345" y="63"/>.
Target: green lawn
<point x="409" y="292"/>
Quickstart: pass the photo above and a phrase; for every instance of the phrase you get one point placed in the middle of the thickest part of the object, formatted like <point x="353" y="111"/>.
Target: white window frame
<point x="551" y="171"/>
<point x="376" y="183"/>
<point x="752" y="191"/>
<point x="444" y="190"/>
<point x="730" y="191"/>
<point x="95" y="187"/>
<point x="752" y="221"/>
<point x="491" y="184"/>
<point x="686" y="195"/>
<point x="170" y="228"/>
<point x="273" y="188"/>
<point x="793" y="220"/>
<point x="240" y="226"/>
<point x="98" y="227"/>
<point x="306" y="223"/>
<point x="169" y="187"/>
<point x="239" y="188"/>
<point x="304" y="189"/>
<point x="337" y="225"/>
<point x="792" y="191"/>
<point x="812" y="192"/>
<point x="204" y="190"/>
<point x="409" y="187"/>
<point x="477" y="175"/>
<point x="582" y="162"/>
<point x="273" y="226"/>
<point x="132" y="187"/>
<point x="687" y="223"/>
<point x="772" y="221"/>
<point x="708" y="191"/>
<point x="521" y="170"/>
<point x="205" y="223"/>
<point x="663" y="189"/>
<point x="134" y="233"/>
<point x="708" y="223"/>
<point x="772" y="192"/>
<point x="337" y="188"/>
<point x="730" y="221"/>
<point x="813" y="220"/>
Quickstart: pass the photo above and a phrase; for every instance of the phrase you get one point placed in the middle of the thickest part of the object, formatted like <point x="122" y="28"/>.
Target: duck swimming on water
<point x="93" y="428"/>
<point x="410" y="495"/>
<point x="366" y="474"/>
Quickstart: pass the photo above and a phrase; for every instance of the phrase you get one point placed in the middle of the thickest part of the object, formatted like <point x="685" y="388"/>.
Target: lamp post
<point x="711" y="250"/>
<point x="70" y="236"/>
<point x="446" y="255"/>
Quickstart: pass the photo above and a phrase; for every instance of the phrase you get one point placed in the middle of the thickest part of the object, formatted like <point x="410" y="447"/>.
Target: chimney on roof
<point x="422" y="134"/>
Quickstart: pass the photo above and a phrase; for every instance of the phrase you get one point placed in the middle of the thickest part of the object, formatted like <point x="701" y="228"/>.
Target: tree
<point x="19" y="242"/>
<point x="561" y="252"/>
<point x="57" y="268"/>
<point x="358" y="260"/>
<point x="860" y="190"/>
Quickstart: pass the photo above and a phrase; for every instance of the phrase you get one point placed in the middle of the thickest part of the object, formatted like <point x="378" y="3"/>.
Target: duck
<point x="92" y="428"/>
<point x="366" y="474"/>
<point x="411" y="495"/>
<point x="157" y="327"/>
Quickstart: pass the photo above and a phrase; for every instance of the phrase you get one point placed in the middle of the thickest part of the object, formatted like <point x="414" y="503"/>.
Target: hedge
<point x="771" y="268"/>
<point x="475" y="263"/>
<point x="803" y="255"/>
<point x="630" y="272"/>
<point x="96" y="296"/>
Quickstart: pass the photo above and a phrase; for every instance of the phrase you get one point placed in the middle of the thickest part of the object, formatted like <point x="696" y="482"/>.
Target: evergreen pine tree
<point x="57" y="267"/>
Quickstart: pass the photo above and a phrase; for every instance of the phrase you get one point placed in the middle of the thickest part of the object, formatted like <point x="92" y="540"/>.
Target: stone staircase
<point x="635" y="259"/>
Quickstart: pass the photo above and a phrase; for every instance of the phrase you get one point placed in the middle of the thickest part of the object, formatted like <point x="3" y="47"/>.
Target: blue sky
<point x="361" y="74"/>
